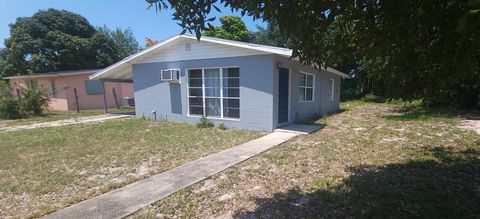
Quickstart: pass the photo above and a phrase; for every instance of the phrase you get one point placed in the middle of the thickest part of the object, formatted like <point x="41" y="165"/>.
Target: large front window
<point x="214" y="92"/>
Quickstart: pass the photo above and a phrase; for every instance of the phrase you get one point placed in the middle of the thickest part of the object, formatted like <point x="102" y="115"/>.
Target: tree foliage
<point x="124" y="40"/>
<point x="3" y="53"/>
<point x="55" y="40"/>
<point x="270" y="36"/>
<point x="426" y="49"/>
<point x="232" y="28"/>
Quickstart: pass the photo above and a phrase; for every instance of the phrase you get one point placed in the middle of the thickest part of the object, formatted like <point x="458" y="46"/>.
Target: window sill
<point x="215" y="118"/>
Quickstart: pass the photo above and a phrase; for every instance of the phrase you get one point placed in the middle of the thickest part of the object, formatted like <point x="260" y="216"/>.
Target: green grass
<point x="372" y="160"/>
<point x="52" y="115"/>
<point x="45" y="169"/>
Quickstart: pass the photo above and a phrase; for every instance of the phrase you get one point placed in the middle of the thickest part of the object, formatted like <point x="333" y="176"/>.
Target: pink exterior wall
<point x="65" y="98"/>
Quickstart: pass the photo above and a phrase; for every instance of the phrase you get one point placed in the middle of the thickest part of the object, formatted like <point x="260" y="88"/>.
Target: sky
<point x="113" y="13"/>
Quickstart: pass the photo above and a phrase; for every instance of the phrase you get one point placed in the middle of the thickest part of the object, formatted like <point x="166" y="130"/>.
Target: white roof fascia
<point x="262" y="48"/>
<point x="133" y="57"/>
<point x="337" y="72"/>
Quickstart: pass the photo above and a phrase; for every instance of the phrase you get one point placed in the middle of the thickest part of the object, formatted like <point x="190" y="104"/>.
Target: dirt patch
<point x="470" y="124"/>
<point x="79" y="120"/>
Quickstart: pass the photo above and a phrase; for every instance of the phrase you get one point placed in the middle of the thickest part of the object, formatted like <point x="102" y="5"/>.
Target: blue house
<point x="240" y="84"/>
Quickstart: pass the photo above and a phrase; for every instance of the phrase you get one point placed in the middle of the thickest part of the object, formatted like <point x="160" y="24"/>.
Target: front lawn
<point x="45" y="169"/>
<point x="370" y="161"/>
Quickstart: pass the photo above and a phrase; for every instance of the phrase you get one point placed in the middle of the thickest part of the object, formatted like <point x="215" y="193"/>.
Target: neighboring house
<point x="239" y="84"/>
<point x="60" y="87"/>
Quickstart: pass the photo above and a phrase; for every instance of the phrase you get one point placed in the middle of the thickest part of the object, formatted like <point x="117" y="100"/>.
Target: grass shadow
<point x="445" y="187"/>
<point x="319" y="120"/>
<point x="131" y="113"/>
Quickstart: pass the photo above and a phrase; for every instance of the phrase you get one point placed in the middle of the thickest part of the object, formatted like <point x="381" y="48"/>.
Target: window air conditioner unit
<point x="171" y="75"/>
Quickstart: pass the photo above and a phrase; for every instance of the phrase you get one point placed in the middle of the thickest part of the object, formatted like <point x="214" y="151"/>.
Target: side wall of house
<point x="92" y="101"/>
<point x="170" y="101"/>
<point x="58" y="101"/>
<point x="327" y="105"/>
<point x="64" y="98"/>
<point x="321" y="104"/>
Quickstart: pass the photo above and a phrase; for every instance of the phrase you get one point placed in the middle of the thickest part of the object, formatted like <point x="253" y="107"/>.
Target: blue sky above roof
<point x="113" y="13"/>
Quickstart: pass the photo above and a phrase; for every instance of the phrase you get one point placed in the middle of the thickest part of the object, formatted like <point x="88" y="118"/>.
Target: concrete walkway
<point x="79" y="120"/>
<point x="124" y="201"/>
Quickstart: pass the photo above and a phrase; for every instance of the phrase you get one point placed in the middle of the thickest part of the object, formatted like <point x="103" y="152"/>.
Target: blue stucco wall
<point x="321" y="103"/>
<point x="170" y="100"/>
<point x="328" y="106"/>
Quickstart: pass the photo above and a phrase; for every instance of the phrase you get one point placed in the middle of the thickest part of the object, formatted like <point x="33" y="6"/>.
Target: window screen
<point x="93" y="87"/>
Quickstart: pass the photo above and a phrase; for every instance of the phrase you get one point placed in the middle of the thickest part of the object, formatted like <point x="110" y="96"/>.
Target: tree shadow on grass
<point x="420" y="114"/>
<point x="319" y="119"/>
<point x="424" y="114"/>
<point x="448" y="187"/>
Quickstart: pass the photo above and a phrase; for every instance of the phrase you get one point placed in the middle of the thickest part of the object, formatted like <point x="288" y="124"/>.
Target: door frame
<point x="289" y="94"/>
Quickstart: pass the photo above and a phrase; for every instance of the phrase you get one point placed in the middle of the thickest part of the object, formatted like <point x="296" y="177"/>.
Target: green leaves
<point x="55" y="40"/>
<point x="270" y="36"/>
<point x="124" y="41"/>
<point x="471" y="20"/>
<point x="232" y="28"/>
<point x="405" y="48"/>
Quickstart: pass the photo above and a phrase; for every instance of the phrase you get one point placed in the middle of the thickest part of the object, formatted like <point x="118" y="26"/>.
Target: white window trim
<point x="171" y="74"/>
<point x="312" y="87"/>
<point x="332" y="92"/>
<point x="203" y="92"/>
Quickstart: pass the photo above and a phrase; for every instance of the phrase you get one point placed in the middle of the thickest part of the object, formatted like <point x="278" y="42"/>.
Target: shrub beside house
<point x="33" y="100"/>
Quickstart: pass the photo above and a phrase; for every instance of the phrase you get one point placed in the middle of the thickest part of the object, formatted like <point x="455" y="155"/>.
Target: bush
<point x="372" y="98"/>
<point x="10" y="108"/>
<point x="34" y="100"/>
<point x="222" y="126"/>
<point x="204" y="123"/>
<point x="4" y="89"/>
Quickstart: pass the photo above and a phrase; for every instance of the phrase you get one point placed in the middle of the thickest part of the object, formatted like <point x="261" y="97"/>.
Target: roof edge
<point x="53" y="74"/>
<point x="337" y="72"/>
<point x="132" y="57"/>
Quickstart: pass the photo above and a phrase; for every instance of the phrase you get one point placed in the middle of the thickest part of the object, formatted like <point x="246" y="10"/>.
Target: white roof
<point x="123" y="67"/>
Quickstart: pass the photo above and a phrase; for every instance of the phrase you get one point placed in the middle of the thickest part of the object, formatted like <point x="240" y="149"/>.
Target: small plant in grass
<point x="204" y="123"/>
<point x="222" y="126"/>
